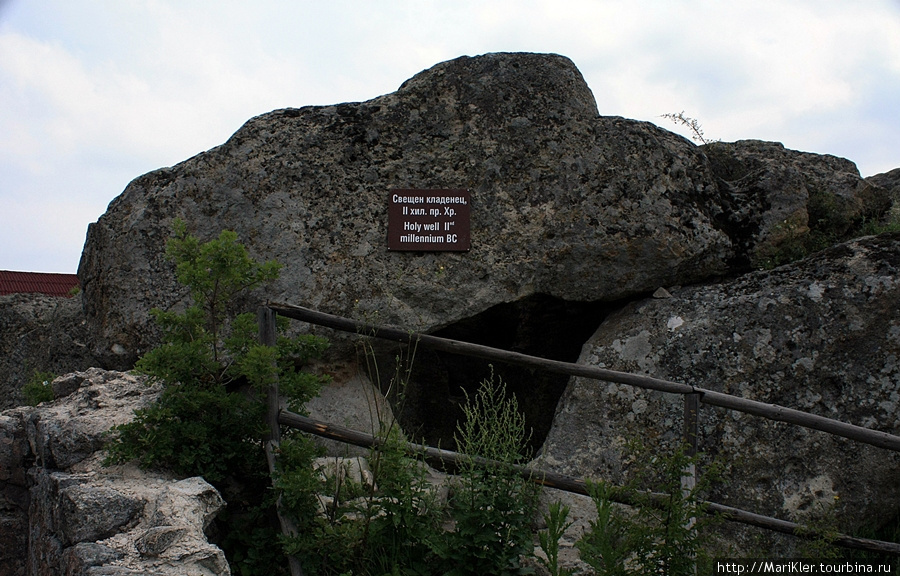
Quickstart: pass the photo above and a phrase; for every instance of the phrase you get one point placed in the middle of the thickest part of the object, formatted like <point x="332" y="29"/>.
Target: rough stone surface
<point x="890" y="181"/>
<point x="568" y="207"/>
<point x="63" y="512"/>
<point x="40" y="333"/>
<point x="352" y="401"/>
<point x="63" y="433"/>
<point x="821" y="335"/>
<point x="772" y="198"/>
<point x="564" y="202"/>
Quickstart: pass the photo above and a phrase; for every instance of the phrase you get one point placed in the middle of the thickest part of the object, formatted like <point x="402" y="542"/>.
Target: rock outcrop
<point x="63" y="512"/>
<point x="821" y="335"/>
<point x="564" y="203"/>
<point x="890" y="181"/>
<point x="780" y="204"/>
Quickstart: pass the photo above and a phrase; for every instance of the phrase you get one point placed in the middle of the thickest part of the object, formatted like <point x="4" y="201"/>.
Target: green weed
<point x="492" y="506"/>
<point x="661" y="533"/>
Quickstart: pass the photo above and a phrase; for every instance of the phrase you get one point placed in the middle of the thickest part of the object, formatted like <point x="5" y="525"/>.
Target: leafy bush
<point x="394" y="524"/>
<point x="384" y="526"/>
<point x="557" y="523"/>
<point x="206" y="422"/>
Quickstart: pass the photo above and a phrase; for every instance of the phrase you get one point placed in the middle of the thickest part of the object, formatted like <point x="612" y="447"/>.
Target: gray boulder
<point x="572" y="213"/>
<point x="889" y="181"/>
<point x="564" y="202"/>
<point x="820" y="335"/>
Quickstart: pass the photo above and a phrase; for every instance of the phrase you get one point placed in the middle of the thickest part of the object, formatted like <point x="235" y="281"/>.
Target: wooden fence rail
<point x="693" y="396"/>
<point x="770" y="411"/>
<point x="443" y="459"/>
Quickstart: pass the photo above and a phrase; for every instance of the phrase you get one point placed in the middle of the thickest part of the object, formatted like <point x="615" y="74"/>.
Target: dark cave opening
<point x="430" y="405"/>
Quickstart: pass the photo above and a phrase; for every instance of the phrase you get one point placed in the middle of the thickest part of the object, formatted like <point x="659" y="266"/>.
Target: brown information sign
<point x="429" y="220"/>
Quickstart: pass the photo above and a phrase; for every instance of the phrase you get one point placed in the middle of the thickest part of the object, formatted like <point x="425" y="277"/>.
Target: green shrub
<point x="557" y="523"/>
<point x="395" y="525"/>
<point x="383" y="526"/>
<point x="206" y="421"/>
<point x="820" y="528"/>
<point x="38" y="388"/>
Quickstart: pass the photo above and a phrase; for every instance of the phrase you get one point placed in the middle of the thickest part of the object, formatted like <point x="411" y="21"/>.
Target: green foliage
<point x="492" y="505"/>
<point x="205" y="344"/>
<point x="252" y="540"/>
<point x="384" y="526"/>
<point x="394" y="523"/>
<point x="404" y="516"/>
<point x="613" y="537"/>
<point x="195" y="431"/>
<point x="216" y="273"/>
<point x="887" y="532"/>
<point x="295" y="481"/>
<point x="38" y="388"/>
<point x="210" y="417"/>
<point x="557" y="524"/>
<point x="873" y="227"/>
<point x="203" y="423"/>
<point x="662" y="533"/>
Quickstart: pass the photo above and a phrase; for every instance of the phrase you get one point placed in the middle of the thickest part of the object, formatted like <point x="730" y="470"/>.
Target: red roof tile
<point x="40" y="282"/>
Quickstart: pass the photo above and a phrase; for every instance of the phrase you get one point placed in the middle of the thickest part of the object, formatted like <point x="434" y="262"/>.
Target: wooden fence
<point x="693" y="397"/>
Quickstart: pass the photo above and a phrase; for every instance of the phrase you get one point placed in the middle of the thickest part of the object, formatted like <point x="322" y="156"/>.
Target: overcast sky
<point x="94" y="93"/>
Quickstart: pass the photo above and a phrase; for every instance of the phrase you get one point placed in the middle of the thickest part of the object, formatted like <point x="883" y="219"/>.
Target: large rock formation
<point x="821" y="335"/>
<point x="573" y="216"/>
<point x="62" y="512"/>
<point x="571" y="213"/>
<point x="890" y="181"/>
<point x="780" y="204"/>
<point x="564" y="203"/>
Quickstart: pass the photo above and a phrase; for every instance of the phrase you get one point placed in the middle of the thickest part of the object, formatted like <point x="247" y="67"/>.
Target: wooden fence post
<point x="691" y="432"/>
<point x="691" y="422"/>
<point x="266" y="319"/>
